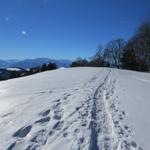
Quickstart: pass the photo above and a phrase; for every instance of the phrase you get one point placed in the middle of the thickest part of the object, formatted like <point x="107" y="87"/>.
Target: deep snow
<point x="76" y="109"/>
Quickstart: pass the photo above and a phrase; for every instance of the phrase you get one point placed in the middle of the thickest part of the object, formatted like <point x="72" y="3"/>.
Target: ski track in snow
<point x="96" y="123"/>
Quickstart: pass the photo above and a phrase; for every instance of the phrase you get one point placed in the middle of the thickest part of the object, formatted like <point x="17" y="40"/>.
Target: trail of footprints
<point x="124" y="132"/>
<point x="40" y="137"/>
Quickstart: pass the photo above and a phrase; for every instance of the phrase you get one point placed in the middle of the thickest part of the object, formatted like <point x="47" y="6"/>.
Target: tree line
<point x="133" y="54"/>
<point x="44" y="67"/>
<point x="10" y="74"/>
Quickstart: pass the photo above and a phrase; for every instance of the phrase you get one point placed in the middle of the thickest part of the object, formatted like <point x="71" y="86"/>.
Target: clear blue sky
<point x="65" y="28"/>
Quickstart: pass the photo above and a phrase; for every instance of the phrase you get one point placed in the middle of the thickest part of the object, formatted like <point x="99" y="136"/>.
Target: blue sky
<point x="65" y="28"/>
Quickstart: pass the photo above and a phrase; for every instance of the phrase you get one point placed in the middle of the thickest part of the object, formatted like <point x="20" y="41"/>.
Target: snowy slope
<point x="76" y="109"/>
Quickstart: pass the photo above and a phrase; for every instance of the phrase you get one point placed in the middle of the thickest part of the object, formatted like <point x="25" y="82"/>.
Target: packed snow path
<point x="69" y="109"/>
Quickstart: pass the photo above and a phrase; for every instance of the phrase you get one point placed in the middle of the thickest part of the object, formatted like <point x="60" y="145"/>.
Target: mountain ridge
<point x="29" y="63"/>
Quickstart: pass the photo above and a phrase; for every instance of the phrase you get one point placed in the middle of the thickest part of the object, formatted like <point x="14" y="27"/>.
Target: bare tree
<point x="99" y="53"/>
<point x="113" y="52"/>
<point x="98" y="59"/>
<point x="80" y="62"/>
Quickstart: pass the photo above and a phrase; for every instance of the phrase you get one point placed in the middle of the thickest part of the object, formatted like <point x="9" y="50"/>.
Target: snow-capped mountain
<point x="76" y="108"/>
<point x="29" y="63"/>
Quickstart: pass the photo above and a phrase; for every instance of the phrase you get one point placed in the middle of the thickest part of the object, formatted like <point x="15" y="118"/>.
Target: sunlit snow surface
<point x="76" y="109"/>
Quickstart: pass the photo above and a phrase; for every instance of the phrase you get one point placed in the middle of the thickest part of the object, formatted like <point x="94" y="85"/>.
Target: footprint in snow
<point x="76" y="131"/>
<point x="81" y="140"/>
<point x="43" y="120"/>
<point x="65" y="134"/>
<point x="58" y="125"/>
<point x="57" y="116"/>
<point x="40" y="138"/>
<point x="11" y="147"/>
<point x="58" y="111"/>
<point x="44" y="112"/>
<point x="66" y="95"/>
<point x="22" y="132"/>
<point x="56" y="101"/>
<point x="6" y="115"/>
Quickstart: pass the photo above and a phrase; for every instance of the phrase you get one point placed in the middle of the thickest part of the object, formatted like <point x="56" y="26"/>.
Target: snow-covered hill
<point x="76" y="109"/>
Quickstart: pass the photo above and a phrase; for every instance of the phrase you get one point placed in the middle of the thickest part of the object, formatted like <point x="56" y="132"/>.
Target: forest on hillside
<point x="133" y="54"/>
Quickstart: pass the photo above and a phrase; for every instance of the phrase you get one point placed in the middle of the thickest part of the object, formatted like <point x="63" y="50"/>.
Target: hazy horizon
<point x="35" y="58"/>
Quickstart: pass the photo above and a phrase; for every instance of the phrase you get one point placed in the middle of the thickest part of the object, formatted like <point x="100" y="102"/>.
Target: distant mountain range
<point x="29" y="63"/>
